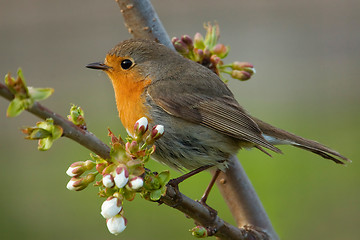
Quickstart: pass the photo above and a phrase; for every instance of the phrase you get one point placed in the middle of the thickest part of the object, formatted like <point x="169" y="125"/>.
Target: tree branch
<point x="142" y="21"/>
<point x="234" y="185"/>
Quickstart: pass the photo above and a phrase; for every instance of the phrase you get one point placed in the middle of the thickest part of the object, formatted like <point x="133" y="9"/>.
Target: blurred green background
<point x="307" y="58"/>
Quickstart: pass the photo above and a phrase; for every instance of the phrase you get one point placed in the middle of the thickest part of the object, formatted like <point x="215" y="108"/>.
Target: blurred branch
<point x="234" y="185"/>
<point x="142" y="21"/>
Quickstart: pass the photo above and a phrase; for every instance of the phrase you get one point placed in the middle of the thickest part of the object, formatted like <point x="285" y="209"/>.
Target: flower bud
<point x="215" y="59"/>
<point x="199" y="41"/>
<point x="241" y="65"/>
<point x="111" y="207"/>
<point x="157" y="131"/>
<point x="244" y="66"/>
<point x="220" y="50"/>
<point x="199" y="54"/>
<point x="116" y="224"/>
<point x="76" y="116"/>
<point x="136" y="183"/>
<point x="181" y="47"/>
<point x="76" y="169"/>
<point x="241" y="75"/>
<point x="121" y="176"/>
<point x="141" y="126"/>
<point x="100" y="167"/>
<point x="76" y="184"/>
<point x="132" y="147"/>
<point x="188" y="41"/>
<point x="108" y="181"/>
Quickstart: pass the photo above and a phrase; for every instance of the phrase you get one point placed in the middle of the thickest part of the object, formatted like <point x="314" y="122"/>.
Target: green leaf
<point x="21" y="76"/>
<point x="16" y="106"/>
<point x="57" y="132"/>
<point x="22" y="81"/>
<point x="39" y="133"/>
<point x="155" y="195"/>
<point x="47" y="125"/>
<point x="7" y="77"/>
<point x="39" y="94"/>
<point x="164" y="177"/>
<point x="45" y="144"/>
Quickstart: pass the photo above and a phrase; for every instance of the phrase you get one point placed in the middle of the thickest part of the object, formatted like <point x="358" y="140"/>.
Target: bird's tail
<point x="276" y="136"/>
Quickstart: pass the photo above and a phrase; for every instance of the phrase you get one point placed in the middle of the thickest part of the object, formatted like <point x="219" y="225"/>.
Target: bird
<point x="204" y="123"/>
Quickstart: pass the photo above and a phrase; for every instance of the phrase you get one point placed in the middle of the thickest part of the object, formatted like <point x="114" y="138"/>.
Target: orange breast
<point x="129" y="97"/>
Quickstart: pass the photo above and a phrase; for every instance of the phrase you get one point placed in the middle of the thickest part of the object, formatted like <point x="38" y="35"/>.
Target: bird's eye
<point x="126" y="63"/>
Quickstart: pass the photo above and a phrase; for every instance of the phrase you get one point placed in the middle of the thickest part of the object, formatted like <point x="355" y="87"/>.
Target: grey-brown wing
<point x="220" y="113"/>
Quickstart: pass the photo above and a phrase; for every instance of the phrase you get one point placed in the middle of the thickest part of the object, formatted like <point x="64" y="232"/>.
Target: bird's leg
<point x="209" y="187"/>
<point x="176" y="181"/>
<point x="207" y="191"/>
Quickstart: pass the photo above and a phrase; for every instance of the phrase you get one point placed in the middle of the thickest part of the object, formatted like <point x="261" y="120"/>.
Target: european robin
<point x="204" y="124"/>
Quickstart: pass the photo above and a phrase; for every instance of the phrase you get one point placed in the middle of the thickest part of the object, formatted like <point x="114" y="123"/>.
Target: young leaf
<point x="57" y="132"/>
<point x="155" y="195"/>
<point x="16" y="106"/>
<point x="45" y="144"/>
<point x="39" y="94"/>
<point x="164" y="177"/>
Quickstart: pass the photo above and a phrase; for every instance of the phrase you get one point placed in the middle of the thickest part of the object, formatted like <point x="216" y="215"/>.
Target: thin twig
<point x="70" y="130"/>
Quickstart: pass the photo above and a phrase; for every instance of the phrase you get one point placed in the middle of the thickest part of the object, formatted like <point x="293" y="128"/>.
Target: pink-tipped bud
<point x="240" y="65"/>
<point x="215" y="59"/>
<point x="199" y="54"/>
<point x="132" y="147"/>
<point x="141" y="126"/>
<point x="76" y="169"/>
<point x="188" y="41"/>
<point x="136" y="183"/>
<point x="157" y="131"/>
<point x="116" y="224"/>
<point x="244" y="66"/>
<point x="76" y="184"/>
<point x="121" y="176"/>
<point x="108" y="181"/>
<point x="111" y="207"/>
<point x="181" y="47"/>
<point x="199" y="41"/>
<point x="100" y="167"/>
<point x="220" y="50"/>
<point x="241" y="75"/>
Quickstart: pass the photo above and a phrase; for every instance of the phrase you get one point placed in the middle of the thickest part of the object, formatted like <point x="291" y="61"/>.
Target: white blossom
<point x="116" y="224"/>
<point x="108" y="181"/>
<point x="121" y="177"/>
<point x="110" y="207"/>
<point x="136" y="183"/>
<point x="72" y="171"/>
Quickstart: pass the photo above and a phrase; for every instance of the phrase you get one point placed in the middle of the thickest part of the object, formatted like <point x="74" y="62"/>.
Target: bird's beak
<point x="98" y="66"/>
